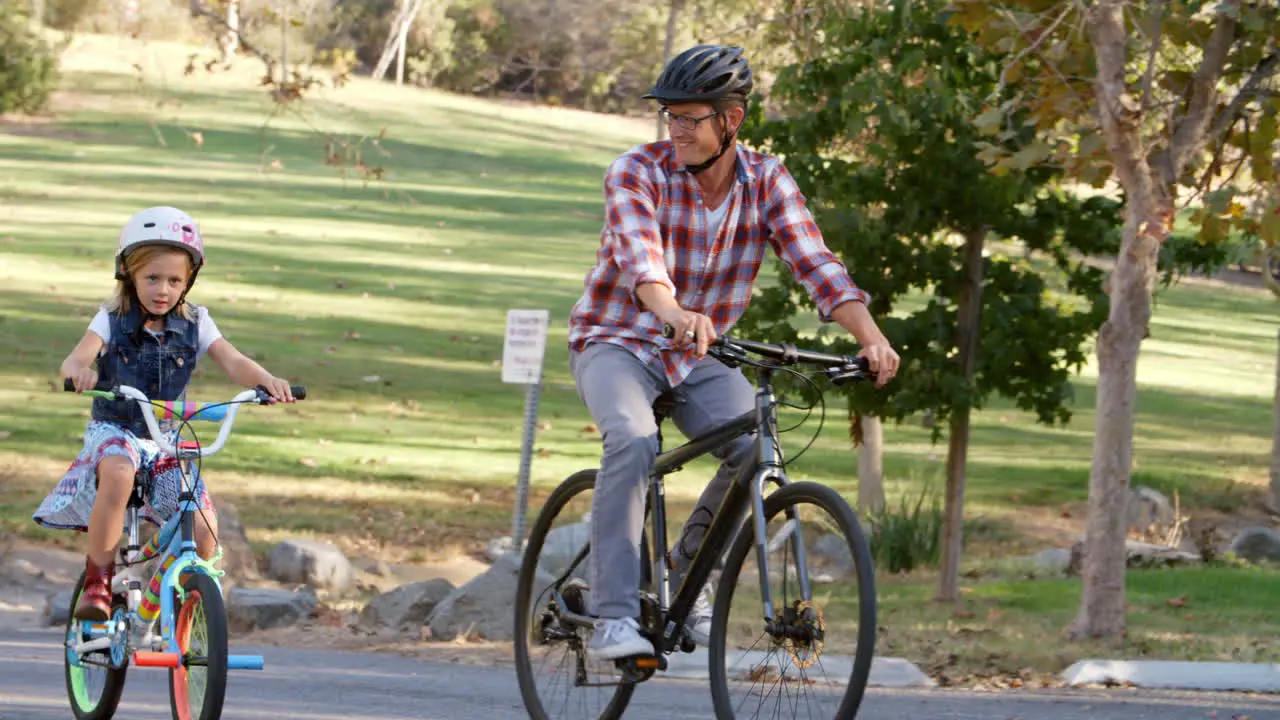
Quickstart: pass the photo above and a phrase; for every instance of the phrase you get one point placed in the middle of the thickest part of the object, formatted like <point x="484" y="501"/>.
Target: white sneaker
<point x="617" y="638"/>
<point x="697" y="627"/>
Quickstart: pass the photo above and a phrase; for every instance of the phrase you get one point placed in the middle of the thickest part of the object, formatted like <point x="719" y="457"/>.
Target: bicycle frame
<point x="176" y="536"/>
<point x="746" y="493"/>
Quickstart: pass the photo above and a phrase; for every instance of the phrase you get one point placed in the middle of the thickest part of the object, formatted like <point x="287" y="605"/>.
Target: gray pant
<point x="619" y="390"/>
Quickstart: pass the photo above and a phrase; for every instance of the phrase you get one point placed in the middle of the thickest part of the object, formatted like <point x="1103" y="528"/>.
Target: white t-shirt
<point x="715" y="218"/>
<point x="207" y="334"/>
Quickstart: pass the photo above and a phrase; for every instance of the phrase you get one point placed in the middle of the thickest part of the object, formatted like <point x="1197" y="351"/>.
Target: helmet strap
<point x="147" y="315"/>
<point x="725" y="141"/>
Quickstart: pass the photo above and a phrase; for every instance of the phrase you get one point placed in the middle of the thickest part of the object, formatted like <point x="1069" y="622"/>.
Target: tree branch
<point x="1157" y="15"/>
<point x="1262" y="71"/>
<point x="1033" y="47"/>
<point x="1190" y="134"/>
<point x="200" y="9"/>
<point x="754" y="25"/>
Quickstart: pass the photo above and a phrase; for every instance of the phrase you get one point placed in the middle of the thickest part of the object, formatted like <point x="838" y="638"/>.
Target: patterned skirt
<point x="69" y="505"/>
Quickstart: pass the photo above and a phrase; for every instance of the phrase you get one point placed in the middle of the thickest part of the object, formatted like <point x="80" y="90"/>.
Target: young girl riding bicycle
<point x="148" y="337"/>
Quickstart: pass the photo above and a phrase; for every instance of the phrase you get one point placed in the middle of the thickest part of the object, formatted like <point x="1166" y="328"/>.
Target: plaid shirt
<point x="655" y="231"/>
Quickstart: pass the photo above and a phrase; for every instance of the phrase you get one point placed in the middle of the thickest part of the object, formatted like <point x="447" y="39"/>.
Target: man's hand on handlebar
<point x="883" y="360"/>
<point x="691" y="328"/>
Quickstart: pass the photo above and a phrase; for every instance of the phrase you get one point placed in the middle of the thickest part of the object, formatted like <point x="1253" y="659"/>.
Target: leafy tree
<point x="875" y="127"/>
<point x="1176" y="101"/>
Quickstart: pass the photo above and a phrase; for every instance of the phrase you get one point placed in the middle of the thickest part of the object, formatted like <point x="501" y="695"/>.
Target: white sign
<point x="525" y="344"/>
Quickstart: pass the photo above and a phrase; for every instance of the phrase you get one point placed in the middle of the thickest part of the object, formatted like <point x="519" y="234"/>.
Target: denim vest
<point x="160" y="367"/>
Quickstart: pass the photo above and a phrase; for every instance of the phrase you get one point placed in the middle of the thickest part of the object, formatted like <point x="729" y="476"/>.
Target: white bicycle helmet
<point x="160" y="226"/>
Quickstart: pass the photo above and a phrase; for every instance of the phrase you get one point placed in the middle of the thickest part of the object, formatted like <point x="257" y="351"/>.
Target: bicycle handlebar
<point x="840" y="368"/>
<point x="223" y="412"/>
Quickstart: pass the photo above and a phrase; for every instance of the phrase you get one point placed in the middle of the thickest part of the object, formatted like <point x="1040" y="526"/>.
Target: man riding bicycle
<point x="687" y="222"/>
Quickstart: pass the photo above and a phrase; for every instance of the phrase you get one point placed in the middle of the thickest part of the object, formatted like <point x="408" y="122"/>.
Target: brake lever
<point x="859" y="369"/>
<point x="729" y="355"/>
<point x="264" y="396"/>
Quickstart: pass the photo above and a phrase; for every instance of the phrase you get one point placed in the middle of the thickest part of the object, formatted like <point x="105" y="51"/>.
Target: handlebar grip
<point x="669" y="333"/>
<point x="299" y="391"/>
<point x="69" y="385"/>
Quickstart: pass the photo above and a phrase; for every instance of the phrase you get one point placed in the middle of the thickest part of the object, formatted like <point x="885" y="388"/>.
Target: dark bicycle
<point x="800" y="640"/>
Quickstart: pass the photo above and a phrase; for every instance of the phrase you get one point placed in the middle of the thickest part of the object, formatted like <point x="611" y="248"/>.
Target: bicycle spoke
<point x="788" y="668"/>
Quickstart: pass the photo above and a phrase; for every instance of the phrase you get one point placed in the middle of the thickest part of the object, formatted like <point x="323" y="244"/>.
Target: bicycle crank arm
<point x="88" y="646"/>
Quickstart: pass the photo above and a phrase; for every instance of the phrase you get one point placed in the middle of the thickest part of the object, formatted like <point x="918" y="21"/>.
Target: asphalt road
<point x="324" y="685"/>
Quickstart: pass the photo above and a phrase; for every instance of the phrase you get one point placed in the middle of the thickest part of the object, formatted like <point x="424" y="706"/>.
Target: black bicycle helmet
<point x="703" y="73"/>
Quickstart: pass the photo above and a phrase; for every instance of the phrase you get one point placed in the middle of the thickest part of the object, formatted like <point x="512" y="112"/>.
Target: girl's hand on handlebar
<point x="279" y="389"/>
<point x="85" y="379"/>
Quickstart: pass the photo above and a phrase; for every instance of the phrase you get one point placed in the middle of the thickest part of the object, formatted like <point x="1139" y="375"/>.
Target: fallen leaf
<point x="1177" y="602"/>
<point x="309" y="462"/>
<point x="590" y="428"/>
<point x="351" y="335"/>
<point x="4" y="434"/>
<point x="198" y="138"/>
<point x="277" y="165"/>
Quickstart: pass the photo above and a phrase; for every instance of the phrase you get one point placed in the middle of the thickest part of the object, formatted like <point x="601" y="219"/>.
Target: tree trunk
<point x="1270" y="270"/>
<point x="399" y="28"/>
<point x="400" y="45"/>
<point x="1148" y="210"/>
<point x="673" y="14"/>
<point x="284" y="47"/>
<point x="967" y="324"/>
<point x="230" y="40"/>
<point x="1275" y="436"/>
<point x="867" y="433"/>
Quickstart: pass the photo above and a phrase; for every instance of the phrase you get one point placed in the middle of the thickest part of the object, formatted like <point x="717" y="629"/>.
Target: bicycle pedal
<point x="643" y="663"/>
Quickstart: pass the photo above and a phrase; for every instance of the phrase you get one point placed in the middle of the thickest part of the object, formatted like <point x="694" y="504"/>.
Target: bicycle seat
<point x="664" y="405"/>
<point x="189" y="445"/>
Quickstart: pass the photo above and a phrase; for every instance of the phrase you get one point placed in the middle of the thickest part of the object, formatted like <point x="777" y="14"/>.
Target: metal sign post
<point x="522" y="352"/>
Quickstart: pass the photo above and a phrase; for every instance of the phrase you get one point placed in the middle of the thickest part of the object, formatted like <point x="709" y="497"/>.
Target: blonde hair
<point x="122" y="301"/>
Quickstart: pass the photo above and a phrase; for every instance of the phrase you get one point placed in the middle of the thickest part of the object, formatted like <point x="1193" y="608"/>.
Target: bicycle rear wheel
<point x="813" y="661"/>
<point x="95" y="680"/>
<point x="198" y="686"/>
<point x="556" y="679"/>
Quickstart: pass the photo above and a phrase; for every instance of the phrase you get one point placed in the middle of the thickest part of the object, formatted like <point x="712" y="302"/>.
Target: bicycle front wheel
<point x="95" y="680"/>
<point x="198" y="686"/>
<point x="556" y="679"/>
<point x="814" y="658"/>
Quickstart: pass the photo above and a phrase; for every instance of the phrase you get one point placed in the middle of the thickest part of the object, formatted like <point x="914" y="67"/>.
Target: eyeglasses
<point x="685" y="121"/>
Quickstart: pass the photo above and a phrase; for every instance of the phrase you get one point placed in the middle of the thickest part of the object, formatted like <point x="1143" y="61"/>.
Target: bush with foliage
<point x="28" y="64"/>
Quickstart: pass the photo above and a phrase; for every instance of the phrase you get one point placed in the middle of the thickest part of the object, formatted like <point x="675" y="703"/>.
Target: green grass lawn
<point x="388" y="301"/>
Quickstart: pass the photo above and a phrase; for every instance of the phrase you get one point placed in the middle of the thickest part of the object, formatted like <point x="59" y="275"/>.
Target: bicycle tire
<point x="113" y="686"/>
<point x="832" y="503"/>
<point x="203" y="593"/>
<point x="574" y="485"/>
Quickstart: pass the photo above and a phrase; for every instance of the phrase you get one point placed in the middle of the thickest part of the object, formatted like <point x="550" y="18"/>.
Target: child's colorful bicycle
<point x="184" y="593"/>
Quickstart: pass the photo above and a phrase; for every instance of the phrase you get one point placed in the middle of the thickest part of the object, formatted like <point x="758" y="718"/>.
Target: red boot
<point x="95" y="597"/>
